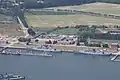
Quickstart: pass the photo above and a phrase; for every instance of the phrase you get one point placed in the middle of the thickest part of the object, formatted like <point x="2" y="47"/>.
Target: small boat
<point x="99" y="53"/>
<point x="44" y="54"/>
<point x="11" y="77"/>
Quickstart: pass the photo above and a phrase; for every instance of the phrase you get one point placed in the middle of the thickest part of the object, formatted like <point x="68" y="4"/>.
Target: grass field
<point x="65" y="31"/>
<point x="95" y="7"/>
<point x="44" y="21"/>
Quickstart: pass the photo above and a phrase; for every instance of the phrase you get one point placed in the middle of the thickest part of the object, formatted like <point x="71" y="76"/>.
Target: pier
<point x="116" y="55"/>
<point x="10" y="49"/>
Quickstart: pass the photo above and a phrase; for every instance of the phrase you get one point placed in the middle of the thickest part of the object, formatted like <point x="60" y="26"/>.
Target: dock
<point x="36" y="51"/>
<point x="116" y="55"/>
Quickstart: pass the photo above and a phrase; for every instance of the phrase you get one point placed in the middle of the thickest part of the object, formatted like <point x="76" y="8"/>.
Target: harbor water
<point x="61" y="67"/>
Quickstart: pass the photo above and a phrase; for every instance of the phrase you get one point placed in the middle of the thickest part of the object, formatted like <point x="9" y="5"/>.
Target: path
<point x="116" y="53"/>
<point x="24" y="29"/>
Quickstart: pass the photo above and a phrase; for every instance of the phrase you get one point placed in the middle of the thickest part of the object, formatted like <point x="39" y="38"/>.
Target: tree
<point x="31" y="32"/>
<point x="93" y="28"/>
<point x="86" y="32"/>
<point x="22" y="39"/>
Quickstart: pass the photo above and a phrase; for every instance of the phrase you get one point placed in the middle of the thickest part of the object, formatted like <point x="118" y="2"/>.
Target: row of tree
<point x="85" y="26"/>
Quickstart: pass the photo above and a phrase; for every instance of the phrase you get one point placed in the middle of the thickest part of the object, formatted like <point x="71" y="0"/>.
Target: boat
<point x="11" y="77"/>
<point x="44" y="54"/>
<point x="93" y="52"/>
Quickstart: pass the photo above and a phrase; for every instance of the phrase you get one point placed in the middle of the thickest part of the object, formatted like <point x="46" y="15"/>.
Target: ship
<point x="94" y="52"/>
<point x="11" y="77"/>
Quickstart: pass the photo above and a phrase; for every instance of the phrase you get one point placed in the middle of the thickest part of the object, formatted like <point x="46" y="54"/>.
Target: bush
<point x="66" y="26"/>
<point x="105" y="45"/>
<point x="94" y="45"/>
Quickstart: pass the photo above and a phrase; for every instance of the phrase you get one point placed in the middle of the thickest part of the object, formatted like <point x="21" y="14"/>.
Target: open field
<point x="10" y="30"/>
<point x="66" y="31"/>
<point x="48" y="21"/>
<point x="43" y="21"/>
<point x="8" y="26"/>
<point x="106" y="8"/>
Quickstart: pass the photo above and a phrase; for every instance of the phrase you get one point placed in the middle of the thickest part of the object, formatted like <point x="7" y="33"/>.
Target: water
<point x="62" y="67"/>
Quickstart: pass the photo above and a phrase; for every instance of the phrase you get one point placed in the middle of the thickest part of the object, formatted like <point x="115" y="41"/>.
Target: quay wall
<point x="59" y="48"/>
<point x="79" y="48"/>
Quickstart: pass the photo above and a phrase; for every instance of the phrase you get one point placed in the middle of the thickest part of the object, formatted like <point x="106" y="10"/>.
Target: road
<point x="24" y="29"/>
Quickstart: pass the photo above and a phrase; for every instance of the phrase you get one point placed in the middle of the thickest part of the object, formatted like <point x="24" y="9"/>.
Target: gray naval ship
<point x="11" y="77"/>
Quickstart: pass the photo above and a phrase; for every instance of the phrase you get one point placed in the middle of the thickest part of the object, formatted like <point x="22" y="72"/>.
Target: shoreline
<point x="57" y="49"/>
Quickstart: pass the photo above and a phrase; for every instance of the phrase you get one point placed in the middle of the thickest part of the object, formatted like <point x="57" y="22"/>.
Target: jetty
<point x="116" y="55"/>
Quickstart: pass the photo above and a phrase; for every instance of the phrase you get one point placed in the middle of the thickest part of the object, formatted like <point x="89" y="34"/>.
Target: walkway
<point x="116" y="53"/>
<point x="23" y="28"/>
